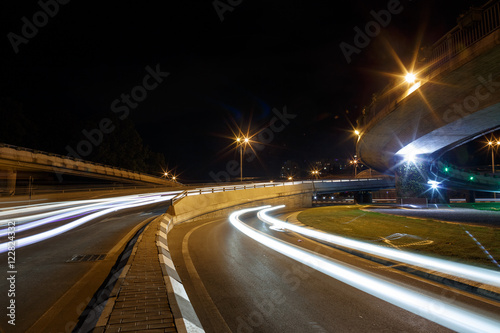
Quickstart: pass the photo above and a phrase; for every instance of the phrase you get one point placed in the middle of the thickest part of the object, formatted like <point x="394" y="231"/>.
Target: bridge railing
<point x="473" y="27"/>
<point x="238" y="187"/>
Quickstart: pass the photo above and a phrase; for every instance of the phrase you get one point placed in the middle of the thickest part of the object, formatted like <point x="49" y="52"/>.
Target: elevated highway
<point x="14" y="159"/>
<point x="455" y="98"/>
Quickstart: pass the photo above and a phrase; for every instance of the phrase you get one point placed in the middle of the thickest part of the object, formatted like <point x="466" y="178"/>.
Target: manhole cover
<point x="86" y="257"/>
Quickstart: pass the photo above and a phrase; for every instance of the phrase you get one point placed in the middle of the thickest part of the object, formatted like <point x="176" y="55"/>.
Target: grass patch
<point x="494" y="206"/>
<point x="425" y="236"/>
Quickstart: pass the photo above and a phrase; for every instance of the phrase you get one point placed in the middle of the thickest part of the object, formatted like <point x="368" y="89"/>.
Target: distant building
<point x="290" y="169"/>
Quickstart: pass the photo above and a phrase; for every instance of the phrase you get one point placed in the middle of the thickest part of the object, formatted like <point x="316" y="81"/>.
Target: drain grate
<point x="86" y="257"/>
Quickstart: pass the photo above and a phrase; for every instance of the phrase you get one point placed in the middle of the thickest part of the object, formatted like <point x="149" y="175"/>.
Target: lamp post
<point x="490" y="144"/>
<point x="355" y="163"/>
<point x="241" y="142"/>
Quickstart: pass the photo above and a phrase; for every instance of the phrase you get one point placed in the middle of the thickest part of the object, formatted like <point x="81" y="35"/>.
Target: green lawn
<point x="426" y="236"/>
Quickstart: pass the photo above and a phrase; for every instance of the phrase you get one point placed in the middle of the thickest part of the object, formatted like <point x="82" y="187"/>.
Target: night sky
<point x="264" y="57"/>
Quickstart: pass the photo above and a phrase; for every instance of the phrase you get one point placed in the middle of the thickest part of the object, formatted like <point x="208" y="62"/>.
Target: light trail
<point x="27" y="209"/>
<point x="469" y="272"/>
<point x="436" y="310"/>
<point x="112" y="205"/>
<point x="41" y="219"/>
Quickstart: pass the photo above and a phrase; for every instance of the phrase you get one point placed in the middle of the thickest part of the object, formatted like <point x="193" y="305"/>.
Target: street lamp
<point x="240" y="142"/>
<point x="491" y="145"/>
<point x="355" y="163"/>
<point x="410" y="78"/>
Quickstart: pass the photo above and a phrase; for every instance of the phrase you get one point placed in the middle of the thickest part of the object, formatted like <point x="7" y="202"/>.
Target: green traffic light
<point x="471" y="178"/>
<point x="446" y="169"/>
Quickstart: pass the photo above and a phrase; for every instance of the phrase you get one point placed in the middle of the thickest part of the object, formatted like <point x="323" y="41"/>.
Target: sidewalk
<point x="139" y="301"/>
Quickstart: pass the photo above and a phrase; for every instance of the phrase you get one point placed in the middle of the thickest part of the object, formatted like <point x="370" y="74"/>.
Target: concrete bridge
<point x="14" y="159"/>
<point x="454" y="99"/>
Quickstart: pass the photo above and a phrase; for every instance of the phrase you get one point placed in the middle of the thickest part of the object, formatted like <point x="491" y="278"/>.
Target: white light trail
<point x="139" y="201"/>
<point x="473" y="273"/>
<point x="436" y="310"/>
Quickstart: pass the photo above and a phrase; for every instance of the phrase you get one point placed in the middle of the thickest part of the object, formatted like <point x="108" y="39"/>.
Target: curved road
<point x="239" y="285"/>
<point x="50" y="292"/>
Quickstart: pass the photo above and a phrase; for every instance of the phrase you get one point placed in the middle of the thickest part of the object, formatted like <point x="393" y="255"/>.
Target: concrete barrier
<point x="196" y="206"/>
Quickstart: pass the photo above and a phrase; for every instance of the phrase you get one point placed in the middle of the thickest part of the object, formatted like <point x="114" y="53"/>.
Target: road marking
<point x="216" y="320"/>
<point x="354" y="219"/>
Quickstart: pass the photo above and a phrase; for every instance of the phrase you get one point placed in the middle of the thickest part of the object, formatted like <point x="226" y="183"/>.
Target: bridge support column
<point x="10" y="176"/>
<point x="411" y="182"/>
<point x="363" y="197"/>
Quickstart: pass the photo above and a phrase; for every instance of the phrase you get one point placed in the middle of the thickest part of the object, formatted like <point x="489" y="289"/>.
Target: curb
<point x="185" y="317"/>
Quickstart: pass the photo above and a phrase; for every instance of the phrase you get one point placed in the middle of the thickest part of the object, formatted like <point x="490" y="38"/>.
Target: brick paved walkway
<point x="141" y="303"/>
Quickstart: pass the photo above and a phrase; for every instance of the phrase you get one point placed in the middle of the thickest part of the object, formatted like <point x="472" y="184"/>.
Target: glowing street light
<point x="410" y="78"/>
<point x="355" y="163"/>
<point x="240" y="142"/>
<point x="434" y="184"/>
<point x="410" y="158"/>
<point x="492" y="144"/>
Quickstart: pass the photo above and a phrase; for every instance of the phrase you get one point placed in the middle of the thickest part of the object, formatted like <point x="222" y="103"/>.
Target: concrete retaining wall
<point x="220" y="203"/>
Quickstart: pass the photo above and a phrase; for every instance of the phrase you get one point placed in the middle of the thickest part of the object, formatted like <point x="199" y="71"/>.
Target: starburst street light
<point x="241" y="142"/>
<point x="410" y="78"/>
<point x="355" y="163"/>
<point x="493" y="145"/>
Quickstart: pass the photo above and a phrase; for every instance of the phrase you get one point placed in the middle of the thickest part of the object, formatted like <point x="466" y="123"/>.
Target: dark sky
<point x="264" y="55"/>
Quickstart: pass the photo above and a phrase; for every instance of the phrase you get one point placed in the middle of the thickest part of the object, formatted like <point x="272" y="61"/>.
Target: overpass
<point x="454" y="99"/>
<point x="458" y="178"/>
<point x="14" y="159"/>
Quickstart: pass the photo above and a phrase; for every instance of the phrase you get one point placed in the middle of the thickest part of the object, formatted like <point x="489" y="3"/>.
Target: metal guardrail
<point x="237" y="187"/>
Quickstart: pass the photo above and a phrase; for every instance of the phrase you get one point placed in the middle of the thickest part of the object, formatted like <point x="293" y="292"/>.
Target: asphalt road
<point x="50" y="292"/>
<point x="460" y="215"/>
<point x="238" y="285"/>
